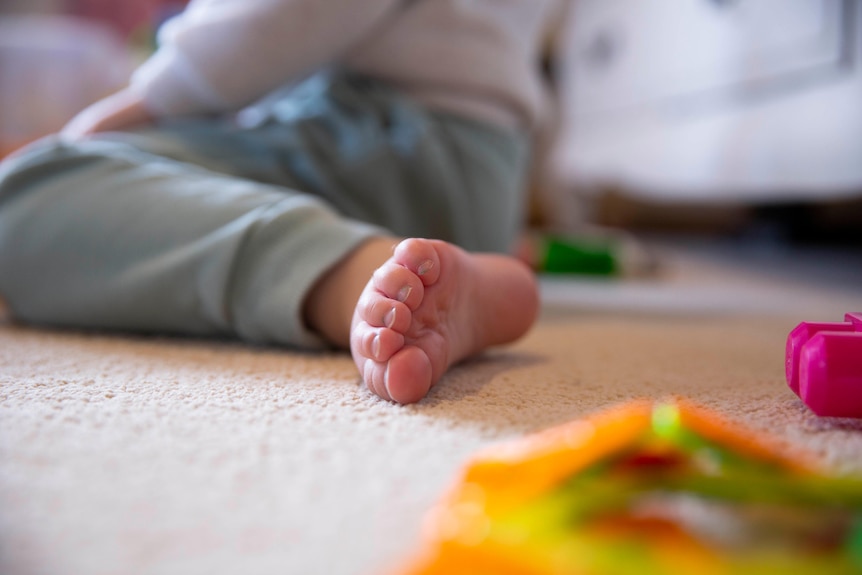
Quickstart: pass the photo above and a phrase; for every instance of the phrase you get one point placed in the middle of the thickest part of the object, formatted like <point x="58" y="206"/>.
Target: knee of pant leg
<point x="29" y="166"/>
<point x="29" y="170"/>
<point x="23" y="173"/>
<point x="22" y="179"/>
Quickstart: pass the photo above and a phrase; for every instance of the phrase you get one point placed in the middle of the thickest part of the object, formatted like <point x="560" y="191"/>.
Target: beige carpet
<point x="127" y="455"/>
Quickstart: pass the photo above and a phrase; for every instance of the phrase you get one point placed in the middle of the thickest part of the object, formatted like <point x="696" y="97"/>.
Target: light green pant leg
<point x="120" y="240"/>
<point x="199" y="229"/>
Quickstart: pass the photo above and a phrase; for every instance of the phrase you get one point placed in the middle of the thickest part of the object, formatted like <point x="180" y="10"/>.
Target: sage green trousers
<point x="220" y="227"/>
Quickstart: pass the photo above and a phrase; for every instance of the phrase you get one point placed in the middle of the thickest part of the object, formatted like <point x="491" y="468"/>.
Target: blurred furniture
<point x="745" y="101"/>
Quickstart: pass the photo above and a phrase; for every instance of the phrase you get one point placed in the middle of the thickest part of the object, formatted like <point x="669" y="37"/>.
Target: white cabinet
<point x="743" y="99"/>
<point x="644" y="52"/>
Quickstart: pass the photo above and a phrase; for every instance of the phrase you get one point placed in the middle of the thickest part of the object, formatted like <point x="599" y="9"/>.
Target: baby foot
<point x="432" y="305"/>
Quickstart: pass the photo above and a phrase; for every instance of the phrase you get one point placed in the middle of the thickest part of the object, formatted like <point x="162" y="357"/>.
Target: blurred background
<point x="731" y="117"/>
<point x="58" y="56"/>
<point x="737" y="119"/>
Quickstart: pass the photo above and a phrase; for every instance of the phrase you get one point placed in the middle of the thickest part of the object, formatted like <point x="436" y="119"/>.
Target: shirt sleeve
<point x="219" y="55"/>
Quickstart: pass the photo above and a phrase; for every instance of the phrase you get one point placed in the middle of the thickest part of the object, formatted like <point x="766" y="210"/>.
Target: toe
<point x="388" y="343"/>
<point x="408" y="375"/>
<point x="380" y="311"/>
<point x="399" y="283"/>
<point x="379" y="344"/>
<point x="420" y="257"/>
<point x="374" y="375"/>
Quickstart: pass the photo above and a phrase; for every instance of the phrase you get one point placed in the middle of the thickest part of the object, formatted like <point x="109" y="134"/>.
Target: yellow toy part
<point x="644" y="489"/>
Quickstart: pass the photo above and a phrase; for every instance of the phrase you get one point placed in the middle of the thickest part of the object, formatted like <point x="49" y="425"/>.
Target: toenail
<point x="425" y="267"/>
<point x="386" y="381"/>
<point x="389" y="318"/>
<point x="375" y="347"/>
<point x="366" y="375"/>
<point x="404" y="293"/>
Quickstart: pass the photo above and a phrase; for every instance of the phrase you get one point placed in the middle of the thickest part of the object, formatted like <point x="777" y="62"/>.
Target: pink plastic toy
<point x="824" y="366"/>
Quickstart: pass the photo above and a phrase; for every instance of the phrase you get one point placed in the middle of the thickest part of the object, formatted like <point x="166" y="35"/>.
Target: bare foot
<point x="431" y="305"/>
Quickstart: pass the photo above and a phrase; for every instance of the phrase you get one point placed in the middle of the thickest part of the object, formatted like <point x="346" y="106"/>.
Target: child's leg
<point x="132" y="235"/>
<point x="103" y="235"/>
<point x="158" y="251"/>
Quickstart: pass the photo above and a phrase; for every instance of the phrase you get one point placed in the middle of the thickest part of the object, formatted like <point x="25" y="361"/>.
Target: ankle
<point x="329" y="306"/>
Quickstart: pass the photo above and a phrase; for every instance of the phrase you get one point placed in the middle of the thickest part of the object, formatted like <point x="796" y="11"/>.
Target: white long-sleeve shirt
<point x="473" y="57"/>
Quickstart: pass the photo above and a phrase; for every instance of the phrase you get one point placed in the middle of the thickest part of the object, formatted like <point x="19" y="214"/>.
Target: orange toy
<point x="646" y="489"/>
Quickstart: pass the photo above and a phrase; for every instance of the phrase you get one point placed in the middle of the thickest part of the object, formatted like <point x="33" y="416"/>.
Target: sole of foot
<point x="432" y="305"/>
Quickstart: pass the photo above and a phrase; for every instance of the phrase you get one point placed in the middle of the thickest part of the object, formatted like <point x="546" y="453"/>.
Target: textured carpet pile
<point x="124" y="454"/>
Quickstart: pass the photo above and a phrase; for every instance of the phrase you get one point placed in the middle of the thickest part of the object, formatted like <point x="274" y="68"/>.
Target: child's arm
<point x="220" y="55"/>
<point x="121" y="111"/>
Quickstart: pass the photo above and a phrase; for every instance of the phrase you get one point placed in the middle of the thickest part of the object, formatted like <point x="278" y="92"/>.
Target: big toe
<point x="408" y="375"/>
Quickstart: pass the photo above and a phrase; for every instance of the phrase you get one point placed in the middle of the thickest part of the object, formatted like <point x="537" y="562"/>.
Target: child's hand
<point x="121" y="111"/>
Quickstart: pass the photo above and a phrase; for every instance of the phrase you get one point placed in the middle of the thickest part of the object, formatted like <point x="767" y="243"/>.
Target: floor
<point x="146" y="455"/>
